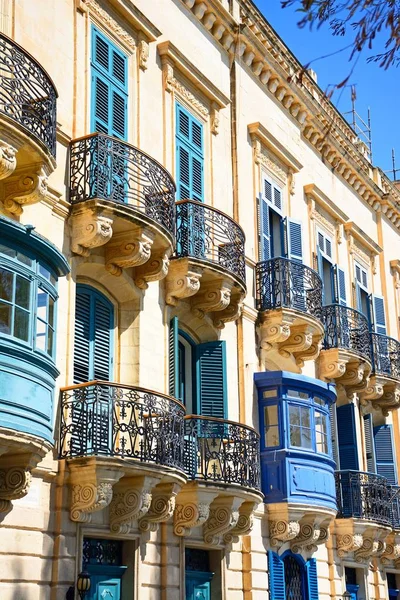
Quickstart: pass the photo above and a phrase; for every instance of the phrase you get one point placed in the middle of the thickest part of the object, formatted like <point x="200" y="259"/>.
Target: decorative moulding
<point x="314" y="193"/>
<point x="351" y="228"/>
<point x="259" y="133"/>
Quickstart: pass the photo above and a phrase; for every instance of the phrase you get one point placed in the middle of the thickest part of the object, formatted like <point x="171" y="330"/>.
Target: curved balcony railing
<point x="364" y="496"/>
<point x="385" y="355"/>
<point x="222" y="452"/>
<point x="27" y="94"/>
<point x="346" y="328"/>
<point x="284" y="283"/>
<point x="395" y="506"/>
<point x="108" y="419"/>
<point x="105" y="167"/>
<point x="208" y="234"/>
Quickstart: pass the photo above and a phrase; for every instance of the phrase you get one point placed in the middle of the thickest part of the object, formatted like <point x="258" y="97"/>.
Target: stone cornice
<point x="320" y="198"/>
<point x="259" y="132"/>
<point x="351" y="228"/>
<point x="171" y="55"/>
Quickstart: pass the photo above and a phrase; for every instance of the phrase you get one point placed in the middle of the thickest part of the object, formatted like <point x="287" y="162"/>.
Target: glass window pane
<point x="319" y="401"/>
<point x="6" y="285"/>
<point x="298" y="394"/>
<point x="22" y="292"/>
<point x="295" y="437"/>
<point x="269" y="393"/>
<point x="24" y="259"/>
<point x="41" y="335"/>
<point x="294" y="415"/>
<point x="51" y="311"/>
<point x="306" y="441"/>
<point x="50" y="341"/>
<point x="272" y="436"/>
<point x="271" y="415"/>
<point x="7" y="251"/>
<point x="42" y="305"/>
<point x="5" y="318"/>
<point x="44" y="272"/>
<point x="21" y="324"/>
<point x="305" y="416"/>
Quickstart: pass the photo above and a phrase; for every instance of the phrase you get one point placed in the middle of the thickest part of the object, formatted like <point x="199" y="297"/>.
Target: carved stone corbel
<point x="231" y="313"/>
<point x="392" y="551"/>
<point x="214" y="118"/>
<point x="244" y="523"/>
<point x="224" y="515"/>
<point x="128" y="250"/>
<point x="369" y="549"/>
<point x="192" y="508"/>
<point x="8" y="161"/>
<point x="91" y="489"/>
<point x="89" y="230"/>
<point x="154" y="270"/>
<point x="348" y="543"/>
<point x="215" y="296"/>
<point x="355" y="378"/>
<point x="14" y="484"/>
<point x="143" y="49"/>
<point x="162" y="506"/>
<point x="131" y="500"/>
<point x="332" y="365"/>
<point x="298" y="342"/>
<point x="308" y="537"/>
<point x="182" y="281"/>
<point x="390" y="399"/>
<point x="23" y="188"/>
<point x="282" y="531"/>
<point x="374" y="389"/>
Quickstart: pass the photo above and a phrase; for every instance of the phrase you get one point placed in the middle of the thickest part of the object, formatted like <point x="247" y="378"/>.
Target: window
<point x="292" y="578"/>
<point x="300" y="426"/>
<point x="385" y="453"/>
<point x="189" y="156"/>
<point x="197" y="373"/>
<point x="361" y="278"/>
<point x="347" y="437"/>
<point x="109" y="87"/>
<point x="27" y="300"/>
<point x="271" y="425"/>
<point x="321" y="432"/>
<point x="333" y="277"/>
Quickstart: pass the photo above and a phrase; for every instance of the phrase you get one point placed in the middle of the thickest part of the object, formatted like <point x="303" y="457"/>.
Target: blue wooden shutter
<point x="378" y="313"/>
<point x="211" y="379"/>
<point x="102" y="327"/>
<point x="265" y="237"/>
<point x="82" y="337"/>
<point x="347" y="438"/>
<point x="109" y="87"/>
<point x="312" y="580"/>
<point x="339" y="285"/>
<point x="276" y="572"/>
<point x="384" y="452"/>
<point x="294" y="240"/>
<point x="173" y="358"/>
<point x="189" y="156"/>
<point x="369" y="444"/>
<point x="332" y="422"/>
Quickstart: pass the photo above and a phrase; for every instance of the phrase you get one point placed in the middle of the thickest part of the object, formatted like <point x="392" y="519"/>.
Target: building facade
<point x="199" y="314"/>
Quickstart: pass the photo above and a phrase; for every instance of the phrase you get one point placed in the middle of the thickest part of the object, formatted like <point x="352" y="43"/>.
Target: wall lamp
<point x="83" y="584"/>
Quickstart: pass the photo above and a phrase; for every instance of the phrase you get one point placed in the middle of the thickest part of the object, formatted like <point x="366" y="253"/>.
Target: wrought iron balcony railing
<point x="385" y="355"/>
<point x="346" y="328"/>
<point x="108" y="419"/>
<point x="208" y="234"/>
<point x="364" y="496"/>
<point x="395" y="507"/>
<point x="108" y="168"/>
<point x="284" y="283"/>
<point x="222" y="452"/>
<point x="27" y="94"/>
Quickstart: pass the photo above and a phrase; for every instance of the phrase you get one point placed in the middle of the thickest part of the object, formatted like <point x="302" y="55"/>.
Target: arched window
<point x="291" y="577"/>
<point x="294" y="578"/>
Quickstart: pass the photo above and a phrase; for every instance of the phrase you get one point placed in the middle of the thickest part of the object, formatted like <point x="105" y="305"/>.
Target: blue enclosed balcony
<point x="297" y="467"/>
<point x="384" y="383"/>
<point x="29" y="269"/>
<point x="289" y="300"/>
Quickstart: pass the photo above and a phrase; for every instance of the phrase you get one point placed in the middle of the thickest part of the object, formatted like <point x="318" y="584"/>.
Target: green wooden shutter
<point x="82" y="337"/>
<point x="339" y="285"/>
<point x="276" y="576"/>
<point x="378" y="314"/>
<point x="312" y="579"/>
<point x="173" y="356"/>
<point x="384" y="452"/>
<point x="189" y="156"/>
<point x="369" y="444"/>
<point x="294" y="248"/>
<point x="346" y="426"/>
<point x="211" y="379"/>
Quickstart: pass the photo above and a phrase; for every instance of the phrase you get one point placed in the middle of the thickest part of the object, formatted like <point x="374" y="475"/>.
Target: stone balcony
<point x="124" y="449"/>
<point x="28" y="128"/>
<point x="346" y="355"/>
<point x="222" y="463"/>
<point x="366" y="517"/>
<point x="289" y="300"/>
<point x="208" y="268"/>
<point x="384" y="383"/>
<point x="122" y="207"/>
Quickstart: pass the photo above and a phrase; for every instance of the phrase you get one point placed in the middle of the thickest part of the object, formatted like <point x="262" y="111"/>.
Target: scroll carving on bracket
<point x="244" y="523"/>
<point x="110" y="23"/>
<point x="131" y="500"/>
<point x="213" y="297"/>
<point x="348" y="542"/>
<point x="23" y="188"/>
<point x="162" y="506"/>
<point x="91" y="489"/>
<point x="154" y="270"/>
<point x="392" y="551"/>
<point x="307" y="538"/>
<point x="171" y="83"/>
<point x="223" y="518"/>
<point x="128" y="251"/>
<point x="182" y="282"/>
<point x="14" y="484"/>
<point x="370" y="548"/>
<point x="143" y="49"/>
<point x="89" y="230"/>
<point x="282" y="531"/>
<point x="190" y="515"/>
<point x="8" y="161"/>
<point x="231" y="313"/>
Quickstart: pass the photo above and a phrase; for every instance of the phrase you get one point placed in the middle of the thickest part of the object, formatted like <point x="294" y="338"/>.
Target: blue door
<point x="198" y="585"/>
<point x="353" y="591"/>
<point x="105" y="582"/>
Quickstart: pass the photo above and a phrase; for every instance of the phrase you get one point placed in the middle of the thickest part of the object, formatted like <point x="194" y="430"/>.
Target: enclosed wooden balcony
<point x="28" y="127"/>
<point x="289" y="300"/>
<point x="222" y="462"/>
<point x="124" y="449"/>
<point x="208" y="267"/>
<point x="384" y="383"/>
<point x="346" y="355"/>
<point x="123" y="207"/>
<point x="367" y="515"/>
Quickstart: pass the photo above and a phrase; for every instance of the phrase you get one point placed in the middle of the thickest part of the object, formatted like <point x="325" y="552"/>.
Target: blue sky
<point x="375" y="88"/>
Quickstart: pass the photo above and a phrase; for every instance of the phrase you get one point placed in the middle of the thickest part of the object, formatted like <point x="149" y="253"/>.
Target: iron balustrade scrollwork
<point x="221" y="451"/>
<point x="285" y="283"/>
<point x="395" y="507"/>
<point x="346" y="328"/>
<point x="27" y="94"/>
<point x="105" y="167"/>
<point x="364" y="496"/>
<point x="385" y="355"/>
<point x="108" y="419"/>
<point x="208" y="234"/>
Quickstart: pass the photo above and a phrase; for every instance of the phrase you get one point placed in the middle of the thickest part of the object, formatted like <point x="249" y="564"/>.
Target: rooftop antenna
<point x="361" y="128"/>
<point x="393" y="170"/>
